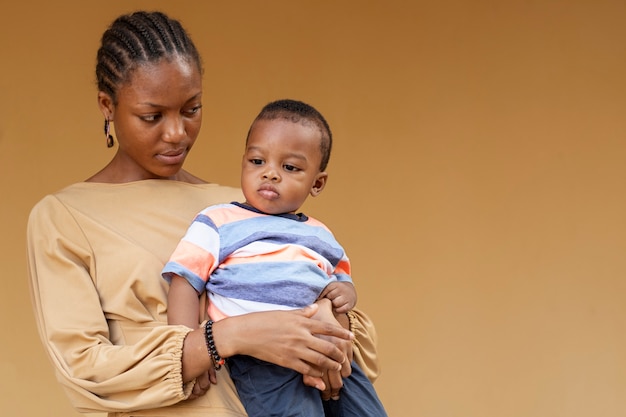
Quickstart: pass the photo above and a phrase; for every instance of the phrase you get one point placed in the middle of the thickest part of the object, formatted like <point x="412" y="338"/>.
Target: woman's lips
<point x="173" y="157"/>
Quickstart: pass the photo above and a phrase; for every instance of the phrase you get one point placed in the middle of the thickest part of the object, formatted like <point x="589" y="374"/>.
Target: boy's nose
<point x="271" y="174"/>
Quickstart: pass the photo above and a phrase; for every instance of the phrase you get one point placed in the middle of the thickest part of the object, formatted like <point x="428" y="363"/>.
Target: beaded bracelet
<point x="218" y="361"/>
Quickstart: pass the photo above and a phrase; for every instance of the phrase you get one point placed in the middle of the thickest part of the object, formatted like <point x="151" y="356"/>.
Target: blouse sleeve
<point x="96" y="374"/>
<point x="365" y="342"/>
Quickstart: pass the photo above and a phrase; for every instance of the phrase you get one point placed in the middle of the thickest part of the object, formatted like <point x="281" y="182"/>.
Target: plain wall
<point x="477" y="179"/>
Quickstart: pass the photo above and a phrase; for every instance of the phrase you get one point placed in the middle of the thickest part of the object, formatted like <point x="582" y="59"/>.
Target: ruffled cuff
<point x="177" y="372"/>
<point x="365" y="342"/>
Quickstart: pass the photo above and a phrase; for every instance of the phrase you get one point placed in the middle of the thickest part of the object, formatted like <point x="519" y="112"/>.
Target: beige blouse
<point x="95" y="256"/>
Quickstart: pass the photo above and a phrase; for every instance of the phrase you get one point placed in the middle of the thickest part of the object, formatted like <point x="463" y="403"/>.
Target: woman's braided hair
<point x="139" y="38"/>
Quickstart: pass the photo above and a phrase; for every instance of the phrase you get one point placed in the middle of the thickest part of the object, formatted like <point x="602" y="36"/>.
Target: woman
<point x="97" y="247"/>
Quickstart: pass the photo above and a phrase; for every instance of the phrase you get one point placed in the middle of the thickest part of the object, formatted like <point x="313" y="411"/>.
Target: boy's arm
<point x="342" y="294"/>
<point x="182" y="303"/>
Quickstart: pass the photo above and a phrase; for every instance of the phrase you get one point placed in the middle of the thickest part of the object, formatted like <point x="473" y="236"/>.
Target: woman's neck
<point x="111" y="176"/>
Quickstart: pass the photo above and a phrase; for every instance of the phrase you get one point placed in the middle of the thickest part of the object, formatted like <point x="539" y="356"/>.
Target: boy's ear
<point x="105" y="103"/>
<point x="319" y="184"/>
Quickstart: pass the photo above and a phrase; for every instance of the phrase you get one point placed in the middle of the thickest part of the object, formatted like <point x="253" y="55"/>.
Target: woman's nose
<point x="174" y="130"/>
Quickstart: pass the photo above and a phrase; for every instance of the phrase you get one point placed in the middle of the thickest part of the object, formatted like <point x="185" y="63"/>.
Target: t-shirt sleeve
<point x="197" y="254"/>
<point x="343" y="270"/>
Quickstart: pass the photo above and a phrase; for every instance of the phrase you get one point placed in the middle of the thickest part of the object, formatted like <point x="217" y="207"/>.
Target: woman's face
<point x="156" y="119"/>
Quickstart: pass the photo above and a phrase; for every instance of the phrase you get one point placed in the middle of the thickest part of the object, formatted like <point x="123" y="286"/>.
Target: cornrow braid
<point x="136" y="39"/>
<point x="164" y="31"/>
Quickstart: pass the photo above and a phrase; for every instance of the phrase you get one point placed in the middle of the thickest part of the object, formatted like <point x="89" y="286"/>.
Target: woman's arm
<point x="148" y="367"/>
<point x="286" y="338"/>
<point x="97" y="374"/>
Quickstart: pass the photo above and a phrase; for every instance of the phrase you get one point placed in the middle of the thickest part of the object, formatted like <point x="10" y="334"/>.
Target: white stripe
<point x="237" y="307"/>
<point x="203" y="236"/>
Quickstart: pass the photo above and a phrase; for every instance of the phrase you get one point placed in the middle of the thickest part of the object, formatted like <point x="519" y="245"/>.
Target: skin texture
<point x="280" y="167"/>
<point x="156" y="119"/>
<point x="342" y="295"/>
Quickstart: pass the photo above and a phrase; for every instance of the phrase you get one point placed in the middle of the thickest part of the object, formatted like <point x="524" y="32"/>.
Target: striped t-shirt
<point x="256" y="261"/>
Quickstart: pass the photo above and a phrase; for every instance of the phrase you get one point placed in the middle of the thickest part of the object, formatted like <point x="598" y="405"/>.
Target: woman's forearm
<point x="196" y="359"/>
<point x="285" y="338"/>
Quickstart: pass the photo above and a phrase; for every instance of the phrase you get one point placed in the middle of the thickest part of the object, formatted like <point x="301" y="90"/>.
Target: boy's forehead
<point x="284" y="136"/>
<point x="280" y="123"/>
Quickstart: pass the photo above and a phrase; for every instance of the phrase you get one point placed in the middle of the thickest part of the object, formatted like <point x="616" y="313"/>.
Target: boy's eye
<point x="256" y="161"/>
<point x="291" y="168"/>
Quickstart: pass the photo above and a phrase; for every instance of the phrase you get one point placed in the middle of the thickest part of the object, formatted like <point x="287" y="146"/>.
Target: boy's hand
<point x="341" y="294"/>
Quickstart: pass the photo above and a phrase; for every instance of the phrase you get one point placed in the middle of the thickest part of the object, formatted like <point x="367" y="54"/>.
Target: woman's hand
<point x="292" y="339"/>
<point x="333" y="380"/>
<point x="203" y="383"/>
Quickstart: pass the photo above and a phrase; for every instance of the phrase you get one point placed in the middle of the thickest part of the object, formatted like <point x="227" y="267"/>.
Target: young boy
<point x="262" y="255"/>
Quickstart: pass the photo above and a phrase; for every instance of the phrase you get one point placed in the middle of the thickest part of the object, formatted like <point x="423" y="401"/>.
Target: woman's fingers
<point x="315" y="382"/>
<point x="212" y="375"/>
<point x="346" y="368"/>
<point x="292" y="339"/>
<point x="202" y="385"/>
<point x="316" y="361"/>
<point x="334" y="382"/>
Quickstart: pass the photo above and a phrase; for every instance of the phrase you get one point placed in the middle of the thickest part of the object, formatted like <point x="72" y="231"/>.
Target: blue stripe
<point x="293" y="284"/>
<point x="172" y="268"/>
<point x="204" y="219"/>
<point x="281" y="231"/>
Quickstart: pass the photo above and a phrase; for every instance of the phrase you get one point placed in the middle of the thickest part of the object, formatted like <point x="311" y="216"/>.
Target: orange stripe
<point x="194" y="258"/>
<point x="285" y="253"/>
<point x="343" y="267"/>
<point x="227" y="215"/>
<point x="215" y="313"/>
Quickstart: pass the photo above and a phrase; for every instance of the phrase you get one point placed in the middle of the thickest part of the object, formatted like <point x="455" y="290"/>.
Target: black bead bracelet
<point x="218" y="361"/>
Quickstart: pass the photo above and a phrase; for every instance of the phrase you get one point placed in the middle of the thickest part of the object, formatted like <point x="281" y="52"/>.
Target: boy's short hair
<point x="296" y="111"/>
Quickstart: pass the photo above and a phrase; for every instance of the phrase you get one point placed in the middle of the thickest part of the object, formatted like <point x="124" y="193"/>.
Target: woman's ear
<point x="105" y="103"/>
<point x="319" y="184"/>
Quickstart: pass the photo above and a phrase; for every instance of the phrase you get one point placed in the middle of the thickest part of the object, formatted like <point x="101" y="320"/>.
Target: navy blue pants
<point x="268" y="390"/>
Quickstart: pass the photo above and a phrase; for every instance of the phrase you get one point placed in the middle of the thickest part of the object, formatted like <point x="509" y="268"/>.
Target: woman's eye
<point x="150" y="117"/>
<point x="194" y="110"/>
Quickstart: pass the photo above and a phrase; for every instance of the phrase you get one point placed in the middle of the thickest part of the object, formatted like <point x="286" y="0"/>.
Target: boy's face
<point x="280" y="166"/>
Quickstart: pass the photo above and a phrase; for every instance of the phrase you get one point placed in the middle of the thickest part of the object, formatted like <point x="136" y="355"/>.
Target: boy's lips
<point x="267" y="191"/>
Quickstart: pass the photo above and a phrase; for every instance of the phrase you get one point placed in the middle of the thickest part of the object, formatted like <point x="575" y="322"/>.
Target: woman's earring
<point x="107" y="133"/>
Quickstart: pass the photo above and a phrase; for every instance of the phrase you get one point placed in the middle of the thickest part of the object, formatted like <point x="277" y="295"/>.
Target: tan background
<point x="478" y="179"/>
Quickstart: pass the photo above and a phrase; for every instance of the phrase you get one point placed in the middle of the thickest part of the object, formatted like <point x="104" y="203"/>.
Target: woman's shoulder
<point x="136" y="196"/>
<point x="54" y="199"/>
<point x="153" y="187"/>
